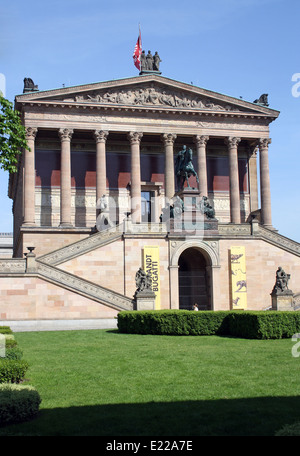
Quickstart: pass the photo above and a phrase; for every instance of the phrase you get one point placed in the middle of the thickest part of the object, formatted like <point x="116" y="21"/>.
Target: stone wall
<point x="31" y="298"/>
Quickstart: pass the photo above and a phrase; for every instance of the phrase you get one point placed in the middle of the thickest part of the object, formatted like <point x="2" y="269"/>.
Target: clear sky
<point x="241" y="48"/>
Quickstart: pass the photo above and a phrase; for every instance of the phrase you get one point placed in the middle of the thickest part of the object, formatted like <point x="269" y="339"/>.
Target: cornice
<point x="202" y="114"/>
<point x="59" y="98"/>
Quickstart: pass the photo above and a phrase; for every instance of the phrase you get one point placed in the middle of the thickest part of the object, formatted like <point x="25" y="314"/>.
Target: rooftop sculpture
<point x="150" y="63"/>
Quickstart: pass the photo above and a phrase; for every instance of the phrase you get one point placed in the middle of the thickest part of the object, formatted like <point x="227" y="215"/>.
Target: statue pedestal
<point x="193" y="220"/>
<point x="282" y="301"/>
<point x="145" y="300"/>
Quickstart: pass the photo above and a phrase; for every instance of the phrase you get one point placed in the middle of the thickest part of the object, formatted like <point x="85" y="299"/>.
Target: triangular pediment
<point x="151" y="91"/>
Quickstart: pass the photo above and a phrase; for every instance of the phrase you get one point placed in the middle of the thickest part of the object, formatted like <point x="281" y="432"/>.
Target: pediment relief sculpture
<point x="153" y="96"/>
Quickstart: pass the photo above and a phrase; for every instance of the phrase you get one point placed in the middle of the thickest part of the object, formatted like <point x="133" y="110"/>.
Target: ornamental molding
<point x="209" y="248"/>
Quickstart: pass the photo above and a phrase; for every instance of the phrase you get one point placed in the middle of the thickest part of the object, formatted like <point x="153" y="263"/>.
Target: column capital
<point x="264" y="142"/>
<point x="252" y="150"/>
<point x="31" y="133"/>
<point x="101" y="136"/>
<point x="168" y="138"/>
<point x="135" y="137"/>
<point x="65" y="134"/>
<point x="201" y="140"/>
<point x="232" y="141"/>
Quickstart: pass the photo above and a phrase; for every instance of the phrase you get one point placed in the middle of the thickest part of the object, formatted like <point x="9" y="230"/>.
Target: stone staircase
<point x="273" y="237"/>
<point x="46" y="268"/>
<point x="83" y="287"/>
<point x="83" y="246"/>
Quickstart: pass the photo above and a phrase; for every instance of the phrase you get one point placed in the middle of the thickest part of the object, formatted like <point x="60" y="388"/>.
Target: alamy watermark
<point x="181" y="216"/>
<point x="2" y="345"/>
<point x="2" y="85"/>
<point x="296" y="86"/>
<point x="296" y="347"/>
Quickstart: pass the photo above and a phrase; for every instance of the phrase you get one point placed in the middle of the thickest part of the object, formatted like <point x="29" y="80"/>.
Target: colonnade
<point x="135" y="139"/>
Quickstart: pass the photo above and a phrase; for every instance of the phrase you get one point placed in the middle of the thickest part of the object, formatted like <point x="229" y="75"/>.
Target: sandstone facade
<point x="119" y="140"/>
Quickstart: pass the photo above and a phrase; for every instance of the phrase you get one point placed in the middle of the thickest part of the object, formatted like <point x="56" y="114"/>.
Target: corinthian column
<point x="168" y="140"/>
<point x="65" y="177"/>
<point x="29" y="178"/>
<point x="265" y="190"/>
<point x="234" y="187"/>
<point x="100" y="137"/>
<point x="135" y="139"/>
<point x="201" y="142"/>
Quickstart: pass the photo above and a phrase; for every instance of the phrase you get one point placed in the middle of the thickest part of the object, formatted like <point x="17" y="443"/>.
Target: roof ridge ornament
<point x="262" y="100"/>
<point x="29" y="86"/>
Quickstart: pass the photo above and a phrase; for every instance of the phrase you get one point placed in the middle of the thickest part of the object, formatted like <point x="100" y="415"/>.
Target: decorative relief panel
<point x="154" y="96"/>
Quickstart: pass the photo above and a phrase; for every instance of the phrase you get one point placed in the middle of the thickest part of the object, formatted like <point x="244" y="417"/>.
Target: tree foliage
<point x="12" y="136"/>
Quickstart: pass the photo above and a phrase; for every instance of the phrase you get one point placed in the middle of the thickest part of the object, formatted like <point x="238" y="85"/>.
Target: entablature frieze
<point x="202" y="115"/>
<point x="212" y="126"/>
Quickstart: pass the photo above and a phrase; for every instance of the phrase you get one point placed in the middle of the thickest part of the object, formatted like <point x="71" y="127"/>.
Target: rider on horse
<point x="184" y="167"/>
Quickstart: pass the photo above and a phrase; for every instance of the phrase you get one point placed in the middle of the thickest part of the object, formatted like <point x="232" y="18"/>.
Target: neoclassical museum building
<point x="96" y="198"/>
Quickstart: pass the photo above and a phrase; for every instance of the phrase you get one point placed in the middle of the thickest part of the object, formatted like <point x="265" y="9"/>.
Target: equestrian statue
<point x="184" y="167"/>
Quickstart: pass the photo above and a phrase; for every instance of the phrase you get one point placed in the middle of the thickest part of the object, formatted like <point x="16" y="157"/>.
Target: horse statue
<point x="184" y="167"/>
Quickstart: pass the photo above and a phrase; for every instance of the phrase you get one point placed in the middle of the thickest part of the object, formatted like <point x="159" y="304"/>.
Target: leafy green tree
<point x="12" y="136"/>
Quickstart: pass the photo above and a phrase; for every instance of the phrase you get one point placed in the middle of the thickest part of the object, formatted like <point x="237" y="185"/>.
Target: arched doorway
<point x="194" y="280"/>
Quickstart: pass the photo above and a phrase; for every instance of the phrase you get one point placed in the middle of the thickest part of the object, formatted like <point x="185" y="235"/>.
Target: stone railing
<point x="278" y="240"/>
<point x="83" y="246"/>
<point x="231" y="229"/>
<point x="144" y="228"/>
<point x="13" y="266"/>
<point x="259" y="232"/>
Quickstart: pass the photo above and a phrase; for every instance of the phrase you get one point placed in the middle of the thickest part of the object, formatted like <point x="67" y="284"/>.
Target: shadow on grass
<point x="235" y="417"/>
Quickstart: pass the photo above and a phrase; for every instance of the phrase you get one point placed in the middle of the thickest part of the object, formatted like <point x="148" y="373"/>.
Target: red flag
<point x="137" y="52"/>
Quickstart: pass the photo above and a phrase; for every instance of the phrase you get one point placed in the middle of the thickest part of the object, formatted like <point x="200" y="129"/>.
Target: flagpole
<point x="140" y="35"/>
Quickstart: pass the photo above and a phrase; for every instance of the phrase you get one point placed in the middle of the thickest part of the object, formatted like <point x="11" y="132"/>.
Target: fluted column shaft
<point x="135" y="139"/>
<point x="29" y="178"/>
<point x="201" y="142"/>
<point x="234" y="187"/>
<point x="65" y="177"/>
<point x="168" y="140"/>
<point x="101" y="137"/>
<point x="265" y="190"/>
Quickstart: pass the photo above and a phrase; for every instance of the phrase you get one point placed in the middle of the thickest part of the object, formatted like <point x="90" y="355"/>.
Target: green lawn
<point x="101" y="382"/>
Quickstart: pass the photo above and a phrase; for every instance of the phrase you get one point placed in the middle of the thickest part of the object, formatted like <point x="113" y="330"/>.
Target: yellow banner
<point x="151" y="266"/>
<point x="238" y="278"/>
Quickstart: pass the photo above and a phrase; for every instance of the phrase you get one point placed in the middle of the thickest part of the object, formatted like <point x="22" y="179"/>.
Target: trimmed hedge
<point x="245" y="324"/>
<point x="5" y="330"/>
<point x="13" y="353"/>
<point x="289" y="430"/>
<point x="12" y="370"/>
<point x="11" y="343"/>
<point x="18" y="403"/>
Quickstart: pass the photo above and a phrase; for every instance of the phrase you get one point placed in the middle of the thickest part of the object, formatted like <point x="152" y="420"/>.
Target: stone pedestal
<point x="145" y="300"/>
<point x="193" y="220"/>
<point x="283" y="301"/>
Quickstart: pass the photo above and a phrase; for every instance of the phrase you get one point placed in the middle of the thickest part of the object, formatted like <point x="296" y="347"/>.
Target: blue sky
<point x="241" y="48"/>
